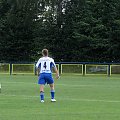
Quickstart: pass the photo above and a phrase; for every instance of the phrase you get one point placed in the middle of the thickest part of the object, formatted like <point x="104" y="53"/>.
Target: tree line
<point x="72" y="30"/>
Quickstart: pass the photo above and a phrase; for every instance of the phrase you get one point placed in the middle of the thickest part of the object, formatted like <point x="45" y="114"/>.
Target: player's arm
<point x="38" y="67"/>
<point x="55" y="69"/>
<point x="57" y="73"/>
<point x="38" y="71"/>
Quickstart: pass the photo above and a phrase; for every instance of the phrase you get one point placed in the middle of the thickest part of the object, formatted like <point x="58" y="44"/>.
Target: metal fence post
<point x="11" y="68"/>
<point x="108" y="70"/>
<point x="35" y="71"/>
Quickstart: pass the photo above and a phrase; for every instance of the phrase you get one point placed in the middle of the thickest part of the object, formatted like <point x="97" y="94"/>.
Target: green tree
<point x="105" y="13"/>
<point x="73" y="30"/>
<point x="17" y="30"/>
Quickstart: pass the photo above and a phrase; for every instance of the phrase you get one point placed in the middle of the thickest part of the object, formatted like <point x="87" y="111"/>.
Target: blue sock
<point x="52" y="94"/>
<point x="41" y="95"/>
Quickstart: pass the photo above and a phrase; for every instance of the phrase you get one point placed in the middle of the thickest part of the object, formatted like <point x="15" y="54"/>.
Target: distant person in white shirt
<point x="44" y="66"/>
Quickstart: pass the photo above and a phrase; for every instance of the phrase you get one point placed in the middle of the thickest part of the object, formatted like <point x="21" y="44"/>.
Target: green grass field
<point x="78" y="98"/>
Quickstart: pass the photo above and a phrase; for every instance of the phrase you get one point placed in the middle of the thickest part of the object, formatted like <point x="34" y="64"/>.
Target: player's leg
<point x="41" y="82"/>
<point x="50" y="81"/>
<point x="52" y="93"/>
<point x="42" y="93"/>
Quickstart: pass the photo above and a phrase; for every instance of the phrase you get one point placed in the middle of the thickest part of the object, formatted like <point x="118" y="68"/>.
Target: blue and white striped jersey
<point x="45" y="64"/>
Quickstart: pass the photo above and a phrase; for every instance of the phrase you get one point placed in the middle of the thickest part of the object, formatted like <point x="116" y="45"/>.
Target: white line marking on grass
<point x="56" y="84"/>
<point x="92" y="85"/>
<point x="25" y="96"/>
<point x="66" y="85"/>
<point x="75" y="85"/>
<point x="94" y="100"/>
<point x="61" y="99"/>
<point x="19" y="82"/>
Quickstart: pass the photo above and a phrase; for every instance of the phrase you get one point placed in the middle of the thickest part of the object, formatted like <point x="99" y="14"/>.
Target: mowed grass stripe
<point x="78" y="98"/>
<point x="63" y="99"/>
<point x="66" y="85"/>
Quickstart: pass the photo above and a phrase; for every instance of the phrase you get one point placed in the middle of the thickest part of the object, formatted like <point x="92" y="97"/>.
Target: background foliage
<point x="72" y="30"/>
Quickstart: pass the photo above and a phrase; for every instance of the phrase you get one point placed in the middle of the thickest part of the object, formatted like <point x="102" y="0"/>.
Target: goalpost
<point x="72" y="69"/>
<point x="4" y="68"/>
<point x="114" y="69"/>
<point x="96" y="69"/>
<point x="23" y="68"/>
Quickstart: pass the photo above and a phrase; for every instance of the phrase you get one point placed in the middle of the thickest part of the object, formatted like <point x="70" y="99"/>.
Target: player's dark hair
<point x="45" y="52"/>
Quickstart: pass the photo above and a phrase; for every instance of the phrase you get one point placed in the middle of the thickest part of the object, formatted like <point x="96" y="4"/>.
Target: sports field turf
<point x="78" y="98"/>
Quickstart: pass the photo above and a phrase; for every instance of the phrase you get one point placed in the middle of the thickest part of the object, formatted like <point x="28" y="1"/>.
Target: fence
<point x="77" y="68"/>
